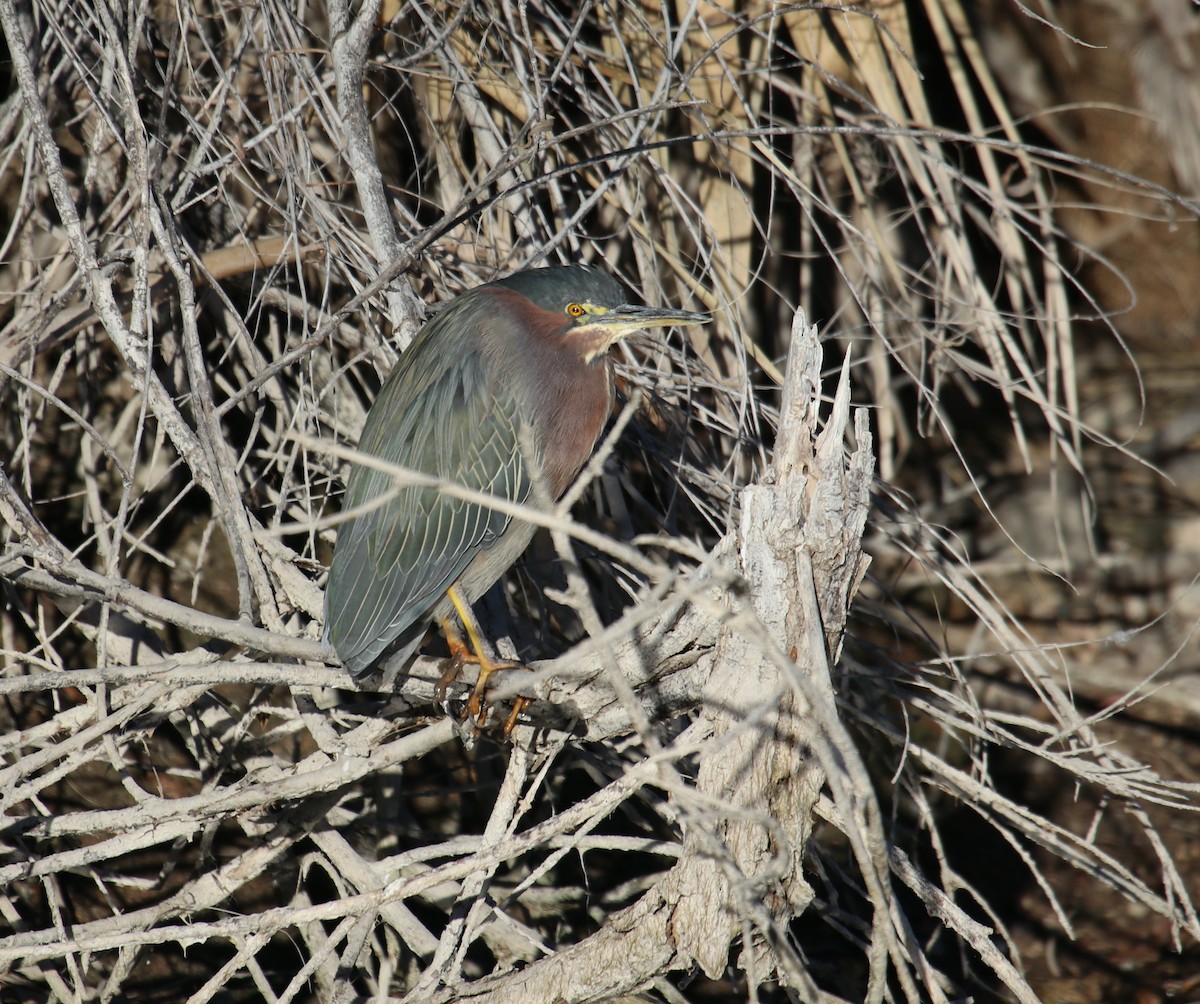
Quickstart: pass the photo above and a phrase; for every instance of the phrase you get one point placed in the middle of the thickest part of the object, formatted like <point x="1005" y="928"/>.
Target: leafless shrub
<point x="222" y="224"/>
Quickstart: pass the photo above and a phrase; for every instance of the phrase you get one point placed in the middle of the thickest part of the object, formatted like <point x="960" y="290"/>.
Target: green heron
<point x="508" y="386"/>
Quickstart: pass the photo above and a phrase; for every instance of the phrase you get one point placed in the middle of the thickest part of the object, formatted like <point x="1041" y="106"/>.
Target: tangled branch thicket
<point x="222" y="224"/>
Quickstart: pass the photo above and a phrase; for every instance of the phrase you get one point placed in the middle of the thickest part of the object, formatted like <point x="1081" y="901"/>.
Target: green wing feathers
<point x="393" y="563"/>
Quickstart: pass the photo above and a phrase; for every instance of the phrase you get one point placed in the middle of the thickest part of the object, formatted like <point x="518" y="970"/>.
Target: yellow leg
<point x="468" y="621"/>
<point x="477" y="703"/>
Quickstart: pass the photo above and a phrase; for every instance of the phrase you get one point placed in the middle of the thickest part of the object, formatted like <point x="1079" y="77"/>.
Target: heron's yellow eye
<point x="575" y="310"/>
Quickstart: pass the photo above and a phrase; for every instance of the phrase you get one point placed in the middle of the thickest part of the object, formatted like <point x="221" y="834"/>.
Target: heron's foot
<point x="477" y="703"/>
<point x="451" y="671"/>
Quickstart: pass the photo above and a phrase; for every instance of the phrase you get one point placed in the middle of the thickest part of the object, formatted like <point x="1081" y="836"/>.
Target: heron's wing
<point x="393" y="563"/>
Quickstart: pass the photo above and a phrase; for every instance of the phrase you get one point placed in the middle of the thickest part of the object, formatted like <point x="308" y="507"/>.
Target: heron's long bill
<point x="610" y="327"/>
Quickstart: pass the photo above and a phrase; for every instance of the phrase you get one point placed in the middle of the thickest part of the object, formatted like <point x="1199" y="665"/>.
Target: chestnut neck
<point x="566" y="399"/>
